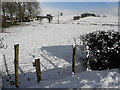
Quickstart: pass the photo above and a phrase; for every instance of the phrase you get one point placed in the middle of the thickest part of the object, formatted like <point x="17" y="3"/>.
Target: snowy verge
<point x="87" y="79"/>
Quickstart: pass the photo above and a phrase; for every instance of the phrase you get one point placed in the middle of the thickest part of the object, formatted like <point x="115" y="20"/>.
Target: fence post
<point x="74" y="59"/>
<point x="38" y="70"/>
<point x="16" y="63"/>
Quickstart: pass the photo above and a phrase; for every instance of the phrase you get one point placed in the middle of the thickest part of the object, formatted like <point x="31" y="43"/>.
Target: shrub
<point x="105" y="49"/>
<point x="76" y="17"/>
<point x="87" y="14"/>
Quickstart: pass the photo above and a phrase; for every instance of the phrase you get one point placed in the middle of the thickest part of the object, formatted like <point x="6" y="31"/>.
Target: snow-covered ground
<point x="52" y="43"/>
<point x="88" y="79"/>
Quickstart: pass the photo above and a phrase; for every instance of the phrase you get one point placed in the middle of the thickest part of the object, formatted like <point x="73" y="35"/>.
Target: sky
<point x="68" y="8"/>
<point x="79" y="0"/>
<point x="78" y="5"/>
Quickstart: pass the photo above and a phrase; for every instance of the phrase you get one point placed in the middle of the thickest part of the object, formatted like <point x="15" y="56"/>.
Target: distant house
<point x="87" y="14"/>
<point x="40" y="17"/>
<point x="48" y="16"/>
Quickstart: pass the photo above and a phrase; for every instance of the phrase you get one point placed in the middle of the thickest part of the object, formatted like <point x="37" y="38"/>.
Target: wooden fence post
<point x="16" y="63"/>
<point x="38" y="70"/>
<point x="74" y="59"/>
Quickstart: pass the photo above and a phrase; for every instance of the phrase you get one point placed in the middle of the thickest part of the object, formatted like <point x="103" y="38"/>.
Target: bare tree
<point x="9" y="8"/>
<point x="19" y="10"/>
<point x="33" y="9"/>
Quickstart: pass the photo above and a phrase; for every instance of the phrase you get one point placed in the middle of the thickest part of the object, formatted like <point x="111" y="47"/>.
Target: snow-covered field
<point x="52" y="43"/>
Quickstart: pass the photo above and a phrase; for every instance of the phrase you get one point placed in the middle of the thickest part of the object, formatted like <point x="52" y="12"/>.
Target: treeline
<point x="19" y="11"/>
<point x="86" y="15"/>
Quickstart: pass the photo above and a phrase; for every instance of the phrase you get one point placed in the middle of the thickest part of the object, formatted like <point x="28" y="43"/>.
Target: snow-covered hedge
<point x="104" y="47"/>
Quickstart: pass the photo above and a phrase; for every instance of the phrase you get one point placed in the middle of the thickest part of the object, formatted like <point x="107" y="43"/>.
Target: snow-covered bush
<point x="105" y="49"/>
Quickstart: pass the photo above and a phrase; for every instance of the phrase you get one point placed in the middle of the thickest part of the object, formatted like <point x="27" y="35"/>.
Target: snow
<point x="88" y="79"/>
<point x="52" y="43"/>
